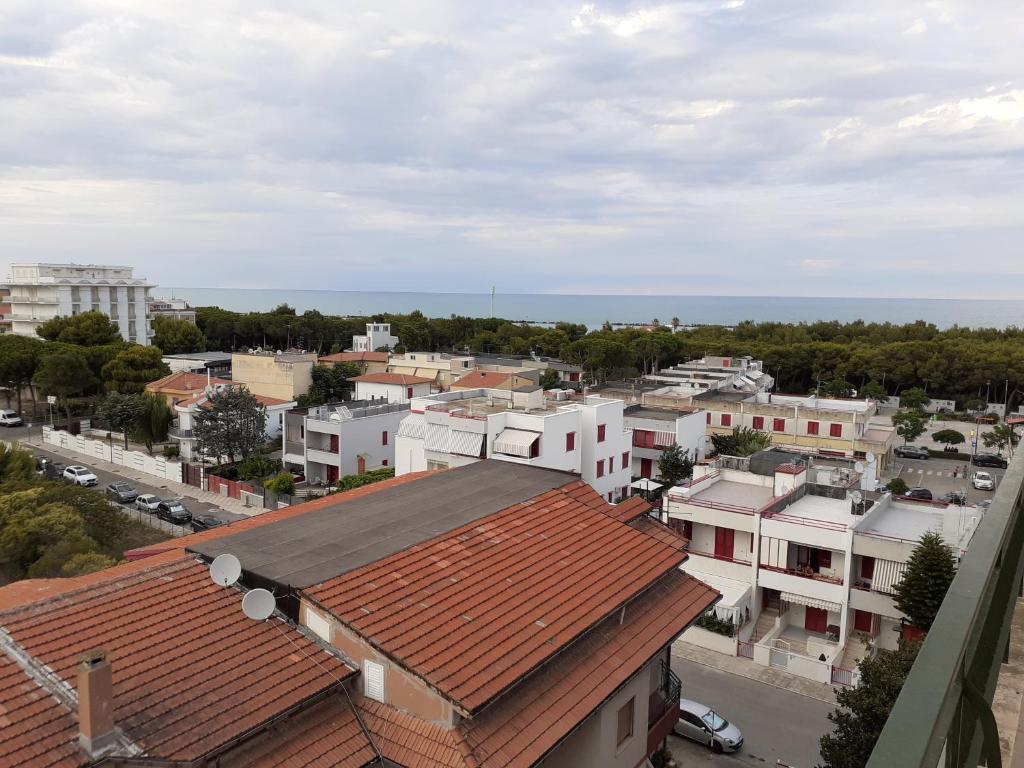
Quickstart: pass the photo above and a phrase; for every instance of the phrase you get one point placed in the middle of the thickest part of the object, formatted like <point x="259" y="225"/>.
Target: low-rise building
<point x="184" y="385"/>
<point x="283" y="376"/>
<point x="568" y="374"/>
<point x="443" y="369"/>
<point x="186" y="410"/>
<point x="172" y="309"/>
<point x="655" y="429"/>
<point x="330" y="441"/>
<point x="391" y="387"/>
<point x="216" y="363"/>
<point x="481" y="379"/>
<point x="585" y="435"/>
<point x="366" y="362"/>
<point x="377" y="337"/>
<point x="715" y="373"/>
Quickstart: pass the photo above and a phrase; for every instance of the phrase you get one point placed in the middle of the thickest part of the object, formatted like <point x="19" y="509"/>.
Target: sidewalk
<point x="746" y="668"/>
<point x="177" y="489"/>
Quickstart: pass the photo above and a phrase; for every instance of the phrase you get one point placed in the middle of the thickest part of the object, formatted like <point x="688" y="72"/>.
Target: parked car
<point x="955" y="497"/>
<point x="52" y="470"/>
<point x="911" y="452"/>
<point x="983" y="481"/>
<point x="705" y="726"/>
<point x="173" y="511"/>
<point x="919" y="493"/>
<point x="80" y="475"/>
<point x="147" y="502"/>
<point x="205" y="523"/>
<point x="121" y="492"/>
<point x="10" y="419"/>
<point x="989" y="460"/>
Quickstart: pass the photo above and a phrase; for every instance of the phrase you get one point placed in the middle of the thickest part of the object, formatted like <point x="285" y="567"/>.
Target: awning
<point x="664" y="439"/>
<point x="438" y="438"/>
<point x="516" y="442"/>
<point x="812" y="602"/>
<point x="467" y="443"/>
<point x="412" y="427"/>
<point x="645" y="485"/>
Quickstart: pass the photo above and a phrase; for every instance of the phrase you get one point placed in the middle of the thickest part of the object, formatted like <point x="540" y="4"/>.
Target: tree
<point x="861" y="712"/>
<point x="929" y="573"/>
<point x="915" y="398"/>
<point x="88" y="329"/>
<point x="64" y="375"/>
<point x="331" y="383"/>
<point x="949" y="437"/>
<point x="175" y="337"/>
<point x="19" y="359"/>
<point x="742" y="441"/>
<point x="838" y="387"/>
<point x="16" y="464"/>
<point x="1000" y="436"/>
<point x="86" y="562"/>
<point x="674" y="466"/>
<point x="898" y="486"/>
<point x="231" y="423"/>
<point x="910" y="425"/>
<point x="132" y="369"/>
<point x="154" y="419"/>
<point x="122" y="412"/>
<point x="549" y="379"/>
<point x="282" y="484"/>
<point x="874" y="391"/>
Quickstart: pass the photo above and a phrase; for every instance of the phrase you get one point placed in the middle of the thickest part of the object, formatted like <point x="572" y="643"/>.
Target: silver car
<point x="702" y="724"/>
<point x="147" y="502"/>
<point x="983" y="481"/>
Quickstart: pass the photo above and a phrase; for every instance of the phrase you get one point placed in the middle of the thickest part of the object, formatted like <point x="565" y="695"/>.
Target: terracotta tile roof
<point x="475" y="610"/>
<point x="35" y="729"/>
<point x="483" y="380"/>
<point x="201" y="398"/>
<point x="191" y="672"/>
<point x="791" y="469"/>
<point x="402" y="379"/>
<point x="630" y="509"/>
<point x="183" y="381"/>
<point x="662" y="533"/>
<point x="410" y="741"/>
<point x="355" y="357"/>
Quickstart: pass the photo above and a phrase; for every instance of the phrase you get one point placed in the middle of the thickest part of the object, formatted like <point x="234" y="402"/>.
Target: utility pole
<point x="492" y="301"/>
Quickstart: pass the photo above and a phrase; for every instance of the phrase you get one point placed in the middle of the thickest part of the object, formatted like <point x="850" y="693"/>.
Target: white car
<point x="147" y="502"/>
<point x="702" y="724"/>
<point x="983" y="481"/>
<point x="80" y="475"/>
<point x="9" y="419"/>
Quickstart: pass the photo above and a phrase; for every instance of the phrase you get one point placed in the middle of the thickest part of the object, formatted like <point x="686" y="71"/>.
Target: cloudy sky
<point x="728" y="147"/>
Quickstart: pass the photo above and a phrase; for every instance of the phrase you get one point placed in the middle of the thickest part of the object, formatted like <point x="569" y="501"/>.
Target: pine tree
<point x="930" y="571"/>
<point x="675" y="465"/>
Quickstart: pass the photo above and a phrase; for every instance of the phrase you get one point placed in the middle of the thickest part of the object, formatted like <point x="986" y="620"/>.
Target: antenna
<point x="258" y="604"/>
<point x="870" y="457"/>
<point x="225" y="570"/>
<point x="857" y="497"/>
<point x="858" y="466"/>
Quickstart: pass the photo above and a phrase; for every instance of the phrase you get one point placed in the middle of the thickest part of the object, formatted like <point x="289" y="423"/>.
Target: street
<point x="776" y="724"/>
<point x="937" y="476"/>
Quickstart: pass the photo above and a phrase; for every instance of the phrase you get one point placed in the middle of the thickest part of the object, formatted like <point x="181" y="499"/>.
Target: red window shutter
<point x="726" y="419"/>
<point x="779" y="425"/>
<point x="867" y="567"/>
<point x="759" y="422"/>
<point x="600" y="433"/>
<point x="824" y="558"/>
<point x="835" y="430"/>
<point x="384" y="463"/>
<point x="334" y="444"/>
<point x="725" y="363"/>
<point x="384" y="437"/>
<point x="625" y="459"/>
<point x="816" y="619"/>
<point x="812" y="427"/>
<point x="724" y="542"/>
<point x="408" y="391"/>
<point x="646" y="468"/>
<point x="862" y="621"/>
<point x="600" y="468"/>
<point x="570" y="441"/>
<point x="709" y="417"/>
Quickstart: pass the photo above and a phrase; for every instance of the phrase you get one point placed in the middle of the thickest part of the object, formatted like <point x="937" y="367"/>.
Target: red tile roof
<point x="483" y="380"/>
<point x="402" y="379"/>
<point x="355" y="357"/>
<point x="474" y="611"/>
<point x="664" y="534"/>
<point x="261" y="399"/>
<point x="410" y="741"/>
<point x="630" y="509"/>
<point x="35" y="729"/>
<point x="183" y="381"/>
<point x="191" y="672"/>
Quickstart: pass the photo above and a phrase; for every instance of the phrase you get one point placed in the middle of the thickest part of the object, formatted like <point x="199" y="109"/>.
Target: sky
<point x="733" y="147"/>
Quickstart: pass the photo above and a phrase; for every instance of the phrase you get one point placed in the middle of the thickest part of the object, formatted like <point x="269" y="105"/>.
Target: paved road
<point x="777" y="724"/>
<point x="937" y="476"/>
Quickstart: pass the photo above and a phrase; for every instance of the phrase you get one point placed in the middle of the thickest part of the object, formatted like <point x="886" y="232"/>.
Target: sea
<point x="593" y="311"/>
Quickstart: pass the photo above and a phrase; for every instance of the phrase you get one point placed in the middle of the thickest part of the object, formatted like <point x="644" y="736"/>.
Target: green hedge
<point x="713" y="623"/>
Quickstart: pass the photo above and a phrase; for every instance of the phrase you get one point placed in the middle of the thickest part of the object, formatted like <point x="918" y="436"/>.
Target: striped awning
<point x="467" y="443"/>
<point x="439" y="438"/>
<point x="887" y="574"/>
<point x="813" y="602"/>
<point x="515" y="442"/>
<point x="412" y="427"/>
<point x="665" y="439"/>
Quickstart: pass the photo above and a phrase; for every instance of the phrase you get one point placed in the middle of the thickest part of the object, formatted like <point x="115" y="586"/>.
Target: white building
<point x="186" y="410"/>
<point x="715" y="373"/>
<point x="378" y="336"/>
<point x="172" y="309"/>
<point x="41" y="292"/>
<point x="585" y="435"/>
<point x="655" y="429"/>
<point x="330" y="441"/>
<point x="805" y="562"/>
<point x="391" y="387"/>
<point x="443" y="369"/>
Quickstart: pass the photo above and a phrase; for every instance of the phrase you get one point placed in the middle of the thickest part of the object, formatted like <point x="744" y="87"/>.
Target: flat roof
<point x="661" y="414"/>
<point x="821" y="508"/>
<point x="910" y="521"/>
<point x="328" y="542"/>
<point x="747" y="495"/>
<point x="201" y="356"/>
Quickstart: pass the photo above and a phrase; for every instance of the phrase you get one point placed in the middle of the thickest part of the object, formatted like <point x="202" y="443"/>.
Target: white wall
<point x="691" y="434"/>
<point x="159" y="467"/>
<point x="393" y="393"/>
<point x="356" y="437"/>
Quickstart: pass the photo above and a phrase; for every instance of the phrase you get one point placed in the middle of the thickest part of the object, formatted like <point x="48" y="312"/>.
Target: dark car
<point x="51" y="470"/>
<point x="205" y="523"/>
<point x="121" y="492"/>
<point x="911" y="452"/>
<point x="989" y="460"/>
<point x="919" y="493"/>
<point x="955" y="497"/>
<point x="173" y="512"/>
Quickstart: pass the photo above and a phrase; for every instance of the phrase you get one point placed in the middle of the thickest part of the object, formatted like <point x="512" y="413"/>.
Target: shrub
<point x="348" y="482"/>
<point x="712" y="623"/>
<point x="898" y="486"/>
<point x="282" y="484"/>
<point x="171" y="451"/>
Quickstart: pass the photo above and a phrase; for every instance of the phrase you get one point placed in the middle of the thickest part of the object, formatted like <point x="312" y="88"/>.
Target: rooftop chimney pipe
<point x="95" y="702"/>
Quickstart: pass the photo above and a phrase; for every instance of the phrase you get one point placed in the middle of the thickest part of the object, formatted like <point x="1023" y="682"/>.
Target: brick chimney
<point x="95" y="702"/>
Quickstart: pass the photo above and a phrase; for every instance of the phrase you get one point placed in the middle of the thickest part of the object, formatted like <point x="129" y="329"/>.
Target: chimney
<point x="95" y="702"/>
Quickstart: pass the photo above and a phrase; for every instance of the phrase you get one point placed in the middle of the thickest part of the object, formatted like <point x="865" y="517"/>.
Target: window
<point x="600" y="468"/>
<point x="759" y="422"/>
<point x="867" y="567"/>
<point x="625" y="459"/>
<point x="709" y="417"/>
<point x="408" y="391"/>
<point x="726" y="419"/>
<point x="646" y="468"/>
<point x="812" y="427"/>
<point x="570" y="442"/>
<point x="824" y="558"/>
<point x="384" y="437"/>
<point x="600" y="433"/>
<point x="384" y="463"/>
<point x="643" y="438"/>
<point x="779" y="425"/>
<point x="835" y="430"/>
<point x="625" y="728"/>
<point x="725" y="539"/>
<point x="373" y="680"/>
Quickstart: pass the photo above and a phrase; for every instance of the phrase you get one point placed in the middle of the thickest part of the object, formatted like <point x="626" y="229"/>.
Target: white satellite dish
<point x="857" y="497"/>
<point x="870" y="457"/>
<point x="225" y="570"/>
<point x="258" y="604"/>
<point x="858" y="466"/>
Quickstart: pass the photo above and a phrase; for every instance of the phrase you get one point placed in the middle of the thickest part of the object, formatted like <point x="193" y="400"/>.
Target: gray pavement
<point x="777" y="724"/>
<point x="937" y="476"/>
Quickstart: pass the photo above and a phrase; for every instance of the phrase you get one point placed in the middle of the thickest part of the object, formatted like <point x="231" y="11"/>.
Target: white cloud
<point x="919" y="27"/>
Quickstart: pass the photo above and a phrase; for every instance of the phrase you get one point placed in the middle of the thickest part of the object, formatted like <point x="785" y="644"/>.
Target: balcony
<point x="799" y="582"/>
<point x="180" y="434"/>
<point x="663" y="708"/>
<point x="322" y="457"/>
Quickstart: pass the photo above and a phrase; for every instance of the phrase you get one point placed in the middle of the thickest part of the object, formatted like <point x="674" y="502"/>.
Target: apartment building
<point x="655" y="429"/>
<point x="441" y="368"/>
<point x="481" y="379"/>
<point x="214" y="363"/>
<point x="805" y="560"/>
<point x="569" y="374"/>
<point x="185" y="412"/>
<point x="391" y="387"/>
<point x="172" y="309"/>
<point x="183" y="385"/>
<point x="377" y="337"/>
<point x="283" y="376"/>
<point x="5" y="310"/>
<point x="365" y="362"/>
<point x="41" y="292"/>
<point x="584" y="435"/>
<point x="715" y="373"/>
<point x="330" y="441"/>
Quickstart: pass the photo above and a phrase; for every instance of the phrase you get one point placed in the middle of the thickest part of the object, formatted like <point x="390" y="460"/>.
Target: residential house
<point x="480" y="379"/>
<point x="183" y="385"/>
<point x="330" y="441"/>
<point x="392" y="387"/>
<point x="655" y="429"/>
<point x="283" y="376"/>
<point x="172" y="309"/>
<point x="713" y="373"/>
<point x="217" y="363"/>
<point x="441" y="368"/>
<point x="585" y="435"/>
<point x="186" y="410"/>
<point x="366" y="362"/>
<point x="41" y="292"/>
<point x="568" y="374"/>
<point x="378" y="336"/>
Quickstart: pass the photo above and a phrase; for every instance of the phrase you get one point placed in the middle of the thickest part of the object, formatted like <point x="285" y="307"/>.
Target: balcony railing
<point x="723" y="558"/>
<point x="803" y="573"/>
<point x="944" y="714"/>
<point x="181" y="434"/>
<point x="665" y="697"/>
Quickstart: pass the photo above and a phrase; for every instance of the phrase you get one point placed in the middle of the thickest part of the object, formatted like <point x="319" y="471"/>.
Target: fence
<point x="231" y="488"/>
<point x="746" y="650"/>
<point x="150" y="519"/>
<point x="108" y="451"/>
<point x="842" y="676"/>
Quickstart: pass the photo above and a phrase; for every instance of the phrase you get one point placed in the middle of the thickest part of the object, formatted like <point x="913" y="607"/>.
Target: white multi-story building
<point x="41" y="292"/>
<point x="185" y="411"/>
<point x="172" y="309"/>
<point x="392" y="387"/>
<point x="378" y="336"/>
<point x="806" y="563"/>
<point x="583" y="435"/>
<point x="330" y="441"/>
<point x="655" y="429"/>
<point x="715" y="373"/>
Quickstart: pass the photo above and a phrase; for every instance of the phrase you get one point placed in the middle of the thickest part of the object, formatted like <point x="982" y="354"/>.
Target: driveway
<point x="937" y="476"/>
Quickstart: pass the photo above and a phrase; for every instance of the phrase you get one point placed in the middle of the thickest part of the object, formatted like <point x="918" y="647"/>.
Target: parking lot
<point x="937" y="476"/>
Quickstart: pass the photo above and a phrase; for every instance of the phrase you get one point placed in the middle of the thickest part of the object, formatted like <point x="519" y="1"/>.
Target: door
<point x="724" y="540"/>
<point x="816" y="620"/>
<point x="646" y="467"/>
<point x="692" y="727"/>
<point x="772" y="600"/>
<point x="862" y="621"/>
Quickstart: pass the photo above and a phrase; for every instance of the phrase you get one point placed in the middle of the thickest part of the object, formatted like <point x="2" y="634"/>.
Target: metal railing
<point x="665" y="697"/>
<point x="943" y="715"/>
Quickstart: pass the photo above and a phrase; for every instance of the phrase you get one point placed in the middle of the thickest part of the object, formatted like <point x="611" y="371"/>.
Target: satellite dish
<point x="225" y="570"/>
<point x="858" y="466"/>
<point x="870" y="457"/>
<point x="857" y="497"/>
<point x="258" y="604"/>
